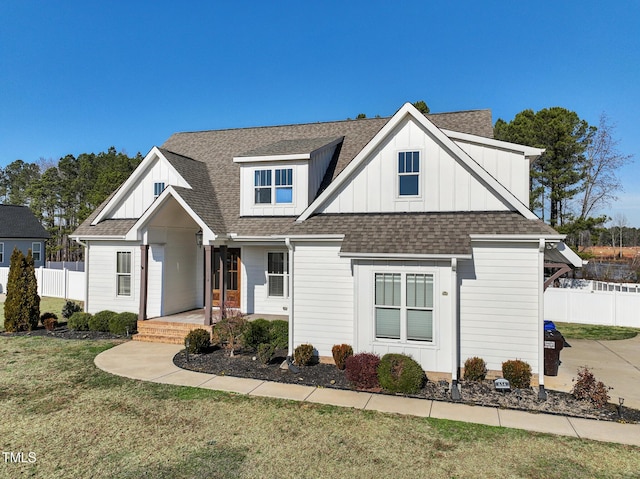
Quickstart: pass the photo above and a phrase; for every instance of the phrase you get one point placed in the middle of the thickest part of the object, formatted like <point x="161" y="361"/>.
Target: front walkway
<point x="154" y="362"/>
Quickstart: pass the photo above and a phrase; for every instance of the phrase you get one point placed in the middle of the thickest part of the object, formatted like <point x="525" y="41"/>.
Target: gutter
<point x="455" y="392"/>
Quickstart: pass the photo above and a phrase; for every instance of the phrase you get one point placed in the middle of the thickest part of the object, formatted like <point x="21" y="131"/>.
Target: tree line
<point x="63" y="194"/>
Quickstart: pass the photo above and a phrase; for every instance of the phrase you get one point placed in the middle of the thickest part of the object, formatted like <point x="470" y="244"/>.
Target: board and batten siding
<point x="140" y="196"/>
<point x="435" y="356"/>
<point x="499" y="303"/>
<point x="101" y="268"/>
<point x="323" y="296"/>
<point x="255" y="292"/>
<point x="445" y="184"/>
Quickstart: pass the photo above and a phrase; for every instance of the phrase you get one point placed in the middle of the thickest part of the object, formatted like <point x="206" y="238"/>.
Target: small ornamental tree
<point x="22" y="305"/>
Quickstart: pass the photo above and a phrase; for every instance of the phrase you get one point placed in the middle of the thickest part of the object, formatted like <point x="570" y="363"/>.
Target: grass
<point x="47" y="305"/>
<point x="77" y="419"/>
<point x="595" y="332"/>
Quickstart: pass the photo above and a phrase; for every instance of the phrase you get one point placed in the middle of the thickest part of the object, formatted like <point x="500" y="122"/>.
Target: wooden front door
<point x="232" y="277"/>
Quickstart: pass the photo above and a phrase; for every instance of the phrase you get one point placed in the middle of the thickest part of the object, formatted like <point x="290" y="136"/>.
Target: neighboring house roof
<point x="20" y="222"/>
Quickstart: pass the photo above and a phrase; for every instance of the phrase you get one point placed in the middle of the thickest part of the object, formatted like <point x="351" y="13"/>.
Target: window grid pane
<point x="263" y="195"/>
<point x="388" y="323"/>
<point x="419" y="325"/>
<point x="284" y="195"/>
<point x="124" y="262"/>
<point x="388" y="289"/>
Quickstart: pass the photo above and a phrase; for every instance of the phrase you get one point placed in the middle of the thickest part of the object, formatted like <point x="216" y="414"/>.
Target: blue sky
<point x="79" y="77"/>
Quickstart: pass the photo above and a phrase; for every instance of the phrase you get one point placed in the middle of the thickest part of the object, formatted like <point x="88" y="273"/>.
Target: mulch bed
<point x="62" y="332"/>
<point x="246" y="365"/>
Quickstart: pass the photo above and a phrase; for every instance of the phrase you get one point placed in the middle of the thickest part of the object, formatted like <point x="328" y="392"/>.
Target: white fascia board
<point x="570" y="255"/>
<point x="132" y="180"/>
<point x="402" y="256"/>
<point x="97" y="237"/>
<point x="134" y="233"/>
<point x="531" y="237"/>
<point x="447" y="143"/>
<point x="528" y="151"/>
<point x="327" y="237"/>
<point x="255" y="159"/>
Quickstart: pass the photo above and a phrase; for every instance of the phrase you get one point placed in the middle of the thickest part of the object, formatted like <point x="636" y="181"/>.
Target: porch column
<point x="223" y="281"/>
<point x="208" y="290"/>
<point x="144" y="277"/>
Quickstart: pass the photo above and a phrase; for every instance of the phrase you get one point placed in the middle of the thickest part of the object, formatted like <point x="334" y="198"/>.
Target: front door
<point x="233" y="278"/>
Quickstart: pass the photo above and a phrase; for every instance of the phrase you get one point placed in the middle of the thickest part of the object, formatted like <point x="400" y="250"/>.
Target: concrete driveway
<point x="615" y="363"/>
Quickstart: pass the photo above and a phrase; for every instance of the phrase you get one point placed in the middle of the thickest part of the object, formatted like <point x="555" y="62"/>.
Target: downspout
<point x="86" y="273"/>
<point x="542" y="395"/>
<point x="287" y="242"/>
<point x="455" y="392"/>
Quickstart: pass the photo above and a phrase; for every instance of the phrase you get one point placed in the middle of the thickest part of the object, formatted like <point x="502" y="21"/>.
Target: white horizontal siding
<point x="445" y="184"/>
<point x="323" y="297"/>
<point x="499" y="304"/>
<point x="101" y="267"/>
<point x="255" y="291"/>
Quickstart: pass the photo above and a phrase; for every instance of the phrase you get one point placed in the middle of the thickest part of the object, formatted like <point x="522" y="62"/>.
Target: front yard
<point x="80" y="422"/>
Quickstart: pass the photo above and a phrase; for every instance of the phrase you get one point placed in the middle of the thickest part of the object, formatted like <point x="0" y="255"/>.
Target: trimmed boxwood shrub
<point x="303" y="354"/>
<point x="69" y="308"/>
<point x="123" y="323"/>
<point x="79" y="321"/>
<point x="49" y="321"/>
<point x="266" y="352"/>
<point x="340" y="354"/>
<point x="362" y="370"/>
<point x="256" y="333"/>
<point x="279" y="333"/>
<point x="100" y="321"/>
<point x="517" y="372"/>
<point x="399" y="373"/>
<point x="475" y="369"/>
<point x="199" y="341"/>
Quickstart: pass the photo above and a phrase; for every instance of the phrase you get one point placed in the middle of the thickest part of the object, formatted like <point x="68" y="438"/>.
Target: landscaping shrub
<point x="475" y="369"/>
<point x="399" y="373"/>
<point x="266" y="352"/>
<point x="228" y="331"/>
<point x="340" y="354"/>
<point x="199" y="341"/>
<point x="49" y="321"/>
<point x="256" y="333"/>
<point x="517" y="372"/>
<point x="303" y="355"/>
<point x="22" y="304"/>
<point x="100" y="321"/>
<point x="362" y="370"/>
<point x="123" y="323"/>
<point x="79" y="321"/>
<point x="587" y="388"/>
<point x="279" y="333"/>
<point x="69" y="308"/>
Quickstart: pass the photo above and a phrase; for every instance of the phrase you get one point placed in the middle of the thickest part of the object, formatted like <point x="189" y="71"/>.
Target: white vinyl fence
<point x="594" y="304"/>
<point x="57" y="283"/>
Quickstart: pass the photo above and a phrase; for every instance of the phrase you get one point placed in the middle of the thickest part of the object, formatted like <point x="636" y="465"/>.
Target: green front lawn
<point x="81" y="422"/>
<point x="595" y="332"/>
<point x="47" y="305"/>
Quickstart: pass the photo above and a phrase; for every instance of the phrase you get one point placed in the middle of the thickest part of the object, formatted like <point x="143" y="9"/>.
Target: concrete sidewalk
<point x="154" y="362"/>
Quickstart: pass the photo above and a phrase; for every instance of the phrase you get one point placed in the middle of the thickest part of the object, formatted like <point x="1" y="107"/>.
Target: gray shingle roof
<point x="20" y="222"/>
<point x="291" y="147"/>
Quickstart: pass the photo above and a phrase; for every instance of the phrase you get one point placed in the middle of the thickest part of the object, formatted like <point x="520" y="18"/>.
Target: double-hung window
<point x="1" y="253"/>
<point x="123" y="273"/>
<point x="404" y="306"/>
<point x="409" y="173"/>
<point x="36" y="251"/>
<point x="278" y="274"/>
<point x="157" y="189"/>
<point x="273" y="186"/>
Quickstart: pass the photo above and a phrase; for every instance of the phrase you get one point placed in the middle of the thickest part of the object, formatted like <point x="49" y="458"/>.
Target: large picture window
<point x="409" y="173"/>
<point x="277" y="274"/>
<point x="123" y="273"/>
<point x="273" y="186"/>
<point x="404" y="306"/>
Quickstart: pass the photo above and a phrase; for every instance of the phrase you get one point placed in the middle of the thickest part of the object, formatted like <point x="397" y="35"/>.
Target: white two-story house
<point x="406" y="234"/>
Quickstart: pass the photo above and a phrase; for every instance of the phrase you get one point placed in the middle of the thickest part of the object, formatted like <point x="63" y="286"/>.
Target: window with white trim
<point x="123" y="273"/>
<point x="267" y="191"/>
<point x="157" y="189"/>
<point x="278" y="274"/>
<point x="1" y="252"/>
<point x="409" y="173"/>
<point x="404" y="306"/>
<point x="36" y="251"/>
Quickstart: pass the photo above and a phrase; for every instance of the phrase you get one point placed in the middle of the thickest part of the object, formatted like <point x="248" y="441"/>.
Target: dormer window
<point x="408" y="173"/>
<point x="264" y="186"/>
<point x="157" y="189"/>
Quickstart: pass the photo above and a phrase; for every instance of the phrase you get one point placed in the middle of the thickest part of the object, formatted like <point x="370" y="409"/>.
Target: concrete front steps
<point x="165" y="332"/>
